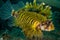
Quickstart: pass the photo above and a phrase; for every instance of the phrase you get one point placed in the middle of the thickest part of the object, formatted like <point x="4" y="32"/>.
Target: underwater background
<point x="9" y="32"/>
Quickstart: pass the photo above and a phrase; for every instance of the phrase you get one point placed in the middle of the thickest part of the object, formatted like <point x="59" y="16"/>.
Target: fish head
<point x="46" y="26"/>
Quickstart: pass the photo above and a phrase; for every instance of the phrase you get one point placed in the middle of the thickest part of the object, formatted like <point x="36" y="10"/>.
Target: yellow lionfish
<point x="33" y="19"/>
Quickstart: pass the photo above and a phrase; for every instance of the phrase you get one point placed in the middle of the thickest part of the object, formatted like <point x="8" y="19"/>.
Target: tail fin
<point x="5" y="10"/>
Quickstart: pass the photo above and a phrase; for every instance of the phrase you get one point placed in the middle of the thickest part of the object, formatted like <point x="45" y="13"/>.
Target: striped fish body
<point x="29" y="21"/>
<point x="32" y="22"/>
<point x="29" y="18"/>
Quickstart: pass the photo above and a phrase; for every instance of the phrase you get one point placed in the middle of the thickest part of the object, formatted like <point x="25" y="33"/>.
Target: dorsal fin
<point x="6" y="9"/>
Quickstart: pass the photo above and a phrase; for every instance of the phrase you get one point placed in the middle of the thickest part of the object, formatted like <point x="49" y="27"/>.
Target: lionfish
<point x="33" y="19"/>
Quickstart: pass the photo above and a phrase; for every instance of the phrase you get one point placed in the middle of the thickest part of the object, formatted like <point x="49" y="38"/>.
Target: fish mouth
<point x="46" y="26"/>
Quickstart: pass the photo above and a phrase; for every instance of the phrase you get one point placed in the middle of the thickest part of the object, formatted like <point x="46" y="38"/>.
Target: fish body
<point x="33" y="22"/>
